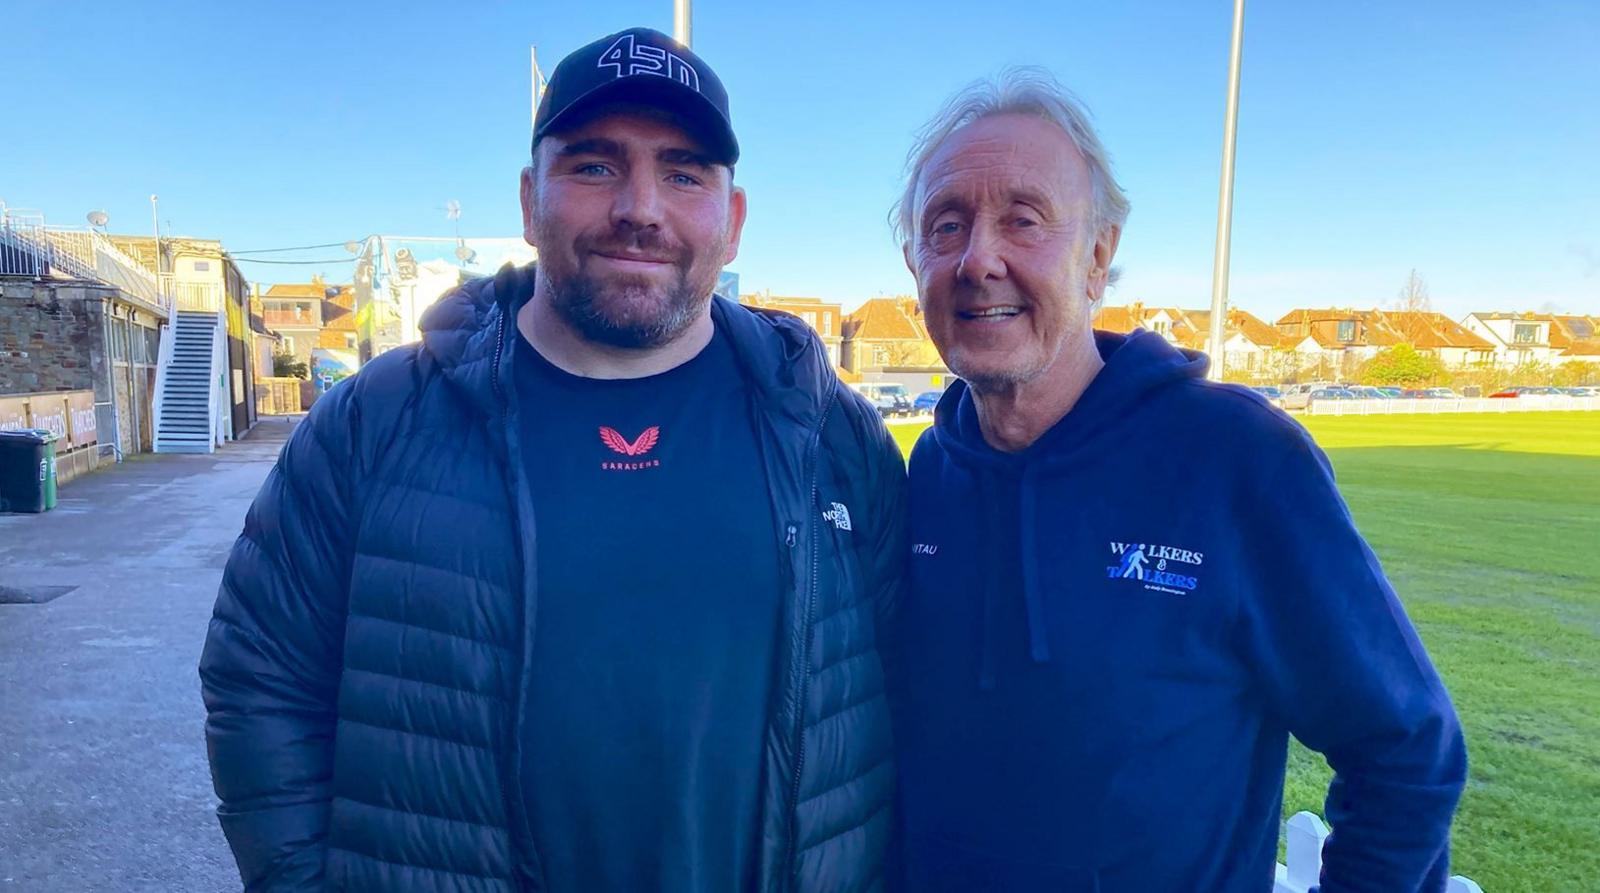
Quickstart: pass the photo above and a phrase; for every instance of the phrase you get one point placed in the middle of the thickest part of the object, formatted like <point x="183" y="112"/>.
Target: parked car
<point x="1362" y="392"/>
<point x="891" y="399"/>
<point x="1296" y="396"/>
<point x="1442" y="394"/>
<point x="1330" y="394"/>
<point x="1391" y="393"/>
<point x="1506" y="394"/>
<point x="926" y="401"/>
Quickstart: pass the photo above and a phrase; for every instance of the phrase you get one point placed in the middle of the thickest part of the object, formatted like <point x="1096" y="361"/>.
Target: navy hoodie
<point x="1112" y="634"/>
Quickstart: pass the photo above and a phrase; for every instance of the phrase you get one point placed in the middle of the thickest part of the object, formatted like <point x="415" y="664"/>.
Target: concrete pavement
<point x="103" y="776"/>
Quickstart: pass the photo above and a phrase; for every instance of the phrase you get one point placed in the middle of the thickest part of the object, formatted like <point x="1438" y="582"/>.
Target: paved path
<point x="103" y="777"/>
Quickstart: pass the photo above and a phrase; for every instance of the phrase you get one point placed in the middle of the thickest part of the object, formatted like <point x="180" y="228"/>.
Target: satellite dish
<point x="352" y="246"/>
<point x="98" y="218"/>
<point x="465" y="254"/>
<point x="452" y="210"/>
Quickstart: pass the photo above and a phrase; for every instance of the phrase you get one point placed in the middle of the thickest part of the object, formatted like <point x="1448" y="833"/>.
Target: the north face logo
<point x="839" y="515"/>
<point x="619" y="444"/>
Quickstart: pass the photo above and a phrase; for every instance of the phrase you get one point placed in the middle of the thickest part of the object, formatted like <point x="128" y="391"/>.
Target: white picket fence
<point x="1305" y="833"/>
<point x="1526" y="403"/>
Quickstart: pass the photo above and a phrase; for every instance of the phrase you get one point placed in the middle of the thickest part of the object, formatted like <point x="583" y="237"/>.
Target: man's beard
<point x="625" y="311"/>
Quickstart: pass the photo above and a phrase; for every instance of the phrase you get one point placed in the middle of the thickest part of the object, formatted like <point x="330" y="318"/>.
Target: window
<point x="880" y="356"/>
<point x="202" y="266"/>
<point x="810" y="318"/>
<point x="1525" y="334"/>
<point x="1347" y="330"/>
<point x="827" y="323"/>
<point x="297" y="311"/>
<point x="287" y="346"/>
<point x="350" y="340"/>
<point x="1162" y="327"/>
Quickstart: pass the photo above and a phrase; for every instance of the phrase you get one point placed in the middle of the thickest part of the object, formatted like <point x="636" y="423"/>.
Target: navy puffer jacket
<point x="364" y="675"/>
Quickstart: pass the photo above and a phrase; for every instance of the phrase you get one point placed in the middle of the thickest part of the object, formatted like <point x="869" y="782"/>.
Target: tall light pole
<point x="155" y="221"/>
<point x="1219" y="265"/>
<point x="682" y="21"/>
<point x="538" y="86"/>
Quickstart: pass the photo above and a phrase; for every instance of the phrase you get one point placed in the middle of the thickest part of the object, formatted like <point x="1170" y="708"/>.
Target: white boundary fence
<point x="1305" y="835"/>
<point x="1525" y="403"/>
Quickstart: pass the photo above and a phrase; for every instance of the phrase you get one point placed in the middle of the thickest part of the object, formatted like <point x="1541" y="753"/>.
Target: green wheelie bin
<point x="27" y="470"/>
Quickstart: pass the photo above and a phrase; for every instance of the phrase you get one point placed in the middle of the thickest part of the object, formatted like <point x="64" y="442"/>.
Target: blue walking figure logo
<point x="1132" y="563"/>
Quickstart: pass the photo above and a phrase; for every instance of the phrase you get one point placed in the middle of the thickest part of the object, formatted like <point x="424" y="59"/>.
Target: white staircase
<point x="186" y="404"/>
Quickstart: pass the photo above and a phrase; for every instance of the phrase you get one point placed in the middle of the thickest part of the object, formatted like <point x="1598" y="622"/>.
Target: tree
<point x="1413" y="296"/>
<point x="287" y="365"/>
<point x="1403" y="365"/>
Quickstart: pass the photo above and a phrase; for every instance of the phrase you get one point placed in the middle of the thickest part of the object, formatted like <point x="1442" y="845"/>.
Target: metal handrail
<point x="86" y="253"/>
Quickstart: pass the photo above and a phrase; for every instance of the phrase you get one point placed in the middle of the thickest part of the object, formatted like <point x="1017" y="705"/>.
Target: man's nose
<point x="982" y="260"/>
<point x="638" y="201"/>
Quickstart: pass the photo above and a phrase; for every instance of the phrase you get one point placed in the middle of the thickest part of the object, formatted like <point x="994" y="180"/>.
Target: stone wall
<point x="50" y="335"/>
<point x="53" y="337"/>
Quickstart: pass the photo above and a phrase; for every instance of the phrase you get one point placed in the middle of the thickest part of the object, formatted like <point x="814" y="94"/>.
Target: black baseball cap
<point x="645" y="66"/>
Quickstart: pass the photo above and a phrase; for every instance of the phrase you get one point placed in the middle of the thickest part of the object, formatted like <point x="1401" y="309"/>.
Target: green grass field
<point x="1489" y="527"/>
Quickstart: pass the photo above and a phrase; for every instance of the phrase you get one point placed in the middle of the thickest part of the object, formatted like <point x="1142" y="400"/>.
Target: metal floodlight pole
<point x="538" y="86"/>
<point x="682" y="21"/>
<point x="1219" y="267"/>
<point x="155" y="221"/>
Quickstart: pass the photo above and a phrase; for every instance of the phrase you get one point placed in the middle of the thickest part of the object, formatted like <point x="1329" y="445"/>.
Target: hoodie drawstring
<point x="989" y="484"/>
<point x="995" y="501"/>
<point x="1033" y="599"/>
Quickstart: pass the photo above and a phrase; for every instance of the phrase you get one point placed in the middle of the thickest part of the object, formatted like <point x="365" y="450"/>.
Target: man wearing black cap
<point x="582" y="592"/>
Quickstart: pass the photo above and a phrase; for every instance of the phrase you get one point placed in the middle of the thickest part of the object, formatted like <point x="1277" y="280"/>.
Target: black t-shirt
<point x="654" y="643"/>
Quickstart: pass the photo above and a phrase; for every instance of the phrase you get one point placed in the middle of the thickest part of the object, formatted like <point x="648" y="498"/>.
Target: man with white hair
<point x="1076" y="719"/>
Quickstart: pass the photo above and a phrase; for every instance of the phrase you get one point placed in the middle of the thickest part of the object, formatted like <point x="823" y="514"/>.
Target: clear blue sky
<point x="1459" y="138"/>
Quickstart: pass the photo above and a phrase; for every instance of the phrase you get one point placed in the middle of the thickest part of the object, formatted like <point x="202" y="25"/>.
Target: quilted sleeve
<point x="270" y="668"/>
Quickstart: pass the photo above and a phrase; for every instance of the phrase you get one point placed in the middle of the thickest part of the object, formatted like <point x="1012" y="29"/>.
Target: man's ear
<point x="530" y="206"/>
<point x="737" y="209"/>
<point x="1105" y="248"/>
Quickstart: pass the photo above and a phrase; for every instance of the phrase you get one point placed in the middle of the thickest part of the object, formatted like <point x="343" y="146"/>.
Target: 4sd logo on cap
<point x="645" y="66"/>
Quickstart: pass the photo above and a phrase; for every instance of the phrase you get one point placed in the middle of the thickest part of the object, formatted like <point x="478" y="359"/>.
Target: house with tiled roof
<point x="1334" y="340"/>
<point x="888" y="334"/>
<point x="339" y="329"/>
<point x="1575" y="338"/>
<point x="1251" y="348"/>
<point x="1518" y="338"/>
<point x="1454" y="344"/>
<point x="826" y="319"/>
<point x="294" y="311"/>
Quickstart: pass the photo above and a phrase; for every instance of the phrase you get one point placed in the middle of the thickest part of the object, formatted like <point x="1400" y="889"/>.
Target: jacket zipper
<point x="516" y="809"/>
<point x="805" y="646"/>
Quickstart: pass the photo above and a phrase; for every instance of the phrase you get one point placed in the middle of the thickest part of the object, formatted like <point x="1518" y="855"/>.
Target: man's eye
<point x="593" y="170"/>
<point x="947" y="228"/>
<point x="684" y="180"/>
<point x="1025" y="221"/>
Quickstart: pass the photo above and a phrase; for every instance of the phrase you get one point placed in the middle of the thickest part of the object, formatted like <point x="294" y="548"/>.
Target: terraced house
<point x="1253" y="350"/>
